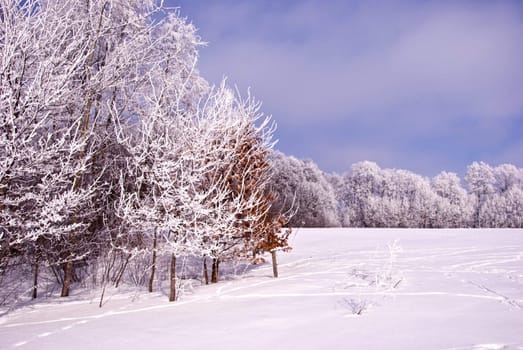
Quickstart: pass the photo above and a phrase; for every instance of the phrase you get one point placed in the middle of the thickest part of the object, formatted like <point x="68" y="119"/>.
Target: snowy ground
<point x="338" y="289"/>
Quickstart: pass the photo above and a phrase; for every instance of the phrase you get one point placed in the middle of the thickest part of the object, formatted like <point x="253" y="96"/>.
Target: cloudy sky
<point x="419" y="85"/>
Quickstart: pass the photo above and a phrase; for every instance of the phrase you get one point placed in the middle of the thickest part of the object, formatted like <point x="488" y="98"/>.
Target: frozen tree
<point x="157" y="184"/>
<point x="502" y="207"/>
<point x="112" y="145"/>
<point x="480" y="180"/>
<point x="513" y="207"/>
<point x="399" y="198"/>
<point x="301" y="187"/>
<point x="339" y="187"/>
<point x="362" y="184"/>
<point x="240" y="139"/>
<point x="507" y="176"/>
<point x="375" y="197"/>
<point x="453" y="207"/>
<point x="72" y="74"/>
<point x="509" y="186"/>
<point x="250" y="182"/>
<point x="417" y="199"/>
<point x="200" y="178"/>
<point x="48" y="140"/>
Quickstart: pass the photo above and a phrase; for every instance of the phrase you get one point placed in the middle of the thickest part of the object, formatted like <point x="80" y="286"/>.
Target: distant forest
<point x="370" y="196"/>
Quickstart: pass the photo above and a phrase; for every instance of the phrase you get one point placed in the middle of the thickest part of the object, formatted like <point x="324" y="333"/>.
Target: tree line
<point x="370" y="196"/>
<point x="113" y="147"/>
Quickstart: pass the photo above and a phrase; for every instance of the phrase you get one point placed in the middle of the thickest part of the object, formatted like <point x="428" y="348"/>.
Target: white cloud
<point x="454" y="60"/>
<point x="412" y="68"/>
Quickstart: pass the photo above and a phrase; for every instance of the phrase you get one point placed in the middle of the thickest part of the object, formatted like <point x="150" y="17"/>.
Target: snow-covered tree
<point x="71" y="74"/>
<point x="453" y="207"/>
<point x="480" y="180"/>
<point x="361" y="185"/>
<point x="50" y="78"/>
<point x="375" y="197"/>
<point x="303" y="188"/>
<point x="502" y="206"/>
<point x="238" y="139"/>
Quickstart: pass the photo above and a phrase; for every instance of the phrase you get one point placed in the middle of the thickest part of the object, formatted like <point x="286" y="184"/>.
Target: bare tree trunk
<point x="214" y="273"/>
<point x="102" y="296"/>
<point x="274" y="264"/>
<point x="205" y="271"/>
<point x="35" y="280"/>
<point x="153" y="267"/>
<point x="172" y="294"/>
<point x="122" y="270"/>
<point x="68" y="276"/>
<point x="105" y="277"/>
<point x="57" y="275"/>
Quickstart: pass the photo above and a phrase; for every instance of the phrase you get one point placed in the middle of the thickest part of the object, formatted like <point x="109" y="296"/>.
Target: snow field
<point x="339" y="289"/>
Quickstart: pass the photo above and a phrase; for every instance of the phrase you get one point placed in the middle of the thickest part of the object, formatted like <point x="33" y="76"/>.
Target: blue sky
<point x="419" y="85"/>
